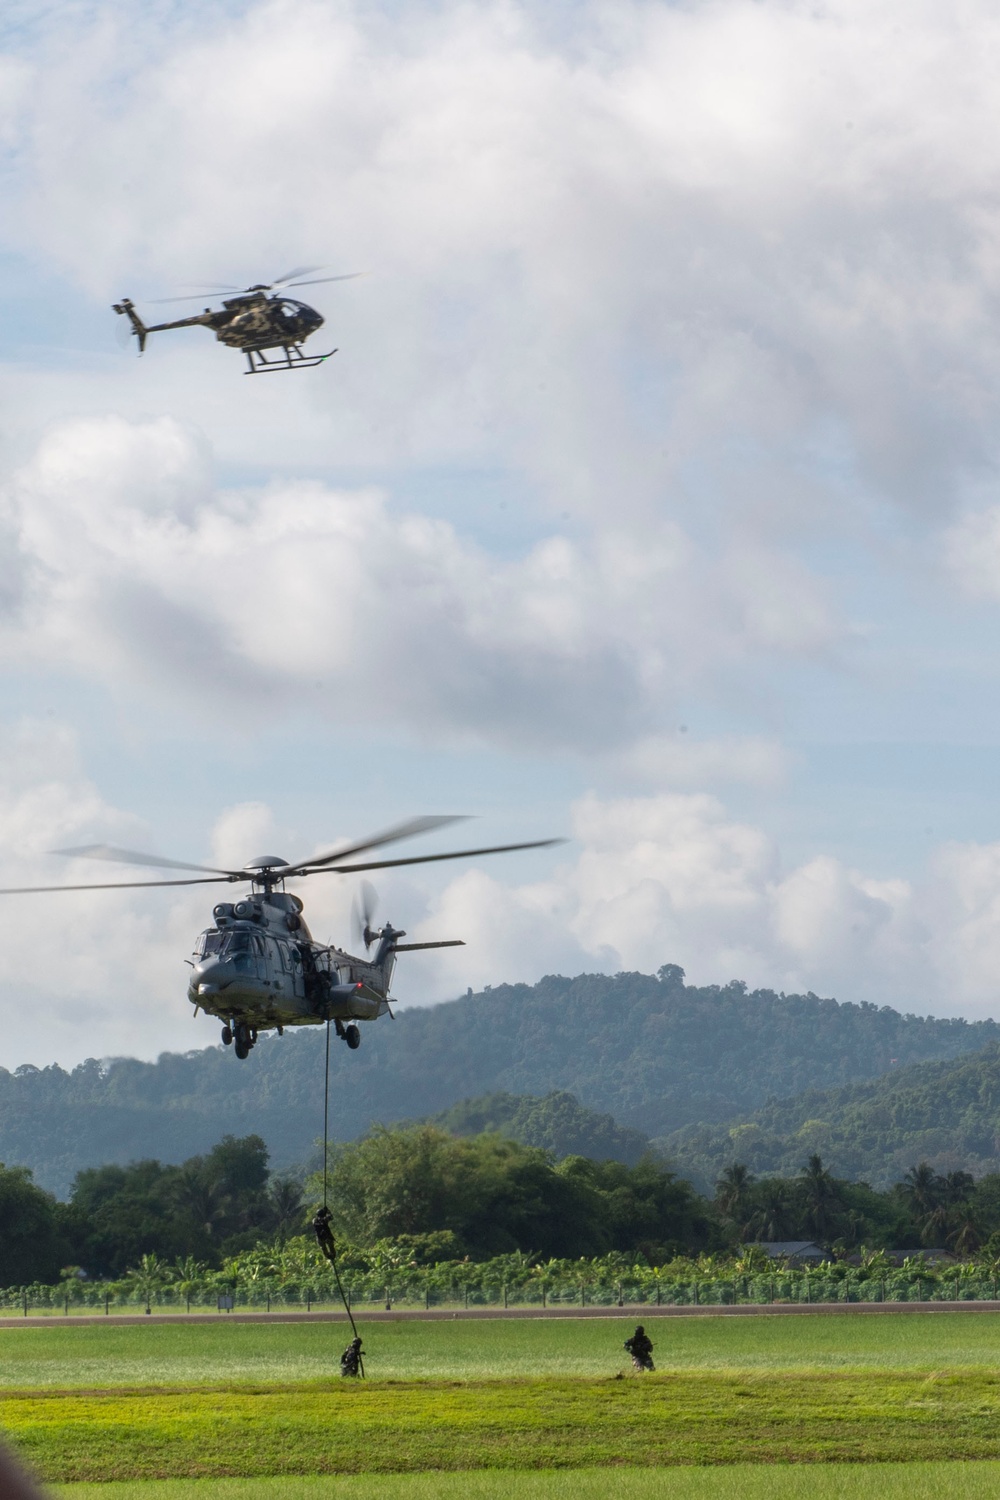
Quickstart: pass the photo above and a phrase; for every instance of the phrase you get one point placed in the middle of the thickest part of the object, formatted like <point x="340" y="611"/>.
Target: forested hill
<point x="655" y="1053"/>
<point x="946" y="1113"/>
<point x="557" y="1122"/>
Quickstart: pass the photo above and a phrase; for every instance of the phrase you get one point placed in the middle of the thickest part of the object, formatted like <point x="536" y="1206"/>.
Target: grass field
<point x="914" y="1481"/>
<point x="220" y="1408"/>
<point x="184" y="1354"/>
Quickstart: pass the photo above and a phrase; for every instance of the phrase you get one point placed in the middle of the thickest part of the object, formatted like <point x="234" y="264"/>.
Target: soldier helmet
<point x="639" y="1329"/>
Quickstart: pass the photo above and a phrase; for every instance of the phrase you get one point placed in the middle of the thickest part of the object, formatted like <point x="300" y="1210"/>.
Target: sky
<point x="650" y="500"/>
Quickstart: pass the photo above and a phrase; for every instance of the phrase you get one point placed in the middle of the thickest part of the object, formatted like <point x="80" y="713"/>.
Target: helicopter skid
<point x="291" y="358"/>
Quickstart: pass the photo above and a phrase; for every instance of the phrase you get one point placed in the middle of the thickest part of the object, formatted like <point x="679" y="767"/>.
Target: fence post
<point x="388" y="1301"/>
<point x="466" y="1294"/>
<point x="583" y="1295"/>
<point x="107" y="1301"/>
<point x="657" y="1294"/>
<point x="309" y="1301"/>
<point x="427" y="1298"/>
<point x="505" y="1294"/>
<point x="543" y="1297"/>
<point x="696" y="1294"/>
<point x="621" y="1300"/>
<point x="25" y="1304"/>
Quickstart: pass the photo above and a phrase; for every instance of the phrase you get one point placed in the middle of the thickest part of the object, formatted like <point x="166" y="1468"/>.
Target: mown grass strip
<point x="912" y="1481"/>
<point x="217" y="1352"/>
<point x="660" y="1420"/>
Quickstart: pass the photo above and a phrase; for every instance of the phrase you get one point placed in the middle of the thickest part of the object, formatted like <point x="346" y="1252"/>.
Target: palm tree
<point x="148" y="1276"/>
<point x="819" y="1196"/>
<point x="922" y="1189"/>
<point x="770" y="1218"/>
<point x="732" y="1191"/>
<point x="205" y="1199"/>
<point x="286" y="1199"/>
<point x="931" y="1198"/>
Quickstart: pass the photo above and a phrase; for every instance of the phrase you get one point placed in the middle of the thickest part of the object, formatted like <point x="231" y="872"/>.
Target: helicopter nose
<point x="211" y="977"/>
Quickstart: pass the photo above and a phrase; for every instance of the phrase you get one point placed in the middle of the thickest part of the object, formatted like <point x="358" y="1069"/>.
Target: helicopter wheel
<point x="227" y="1036"/>
<point x="243" y="1042"/>
<point x="352" y="1036"/>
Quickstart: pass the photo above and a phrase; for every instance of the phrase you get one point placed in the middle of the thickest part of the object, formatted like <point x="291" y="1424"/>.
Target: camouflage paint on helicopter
<point x="258" y="967"/>
<point x="254" y="322"/>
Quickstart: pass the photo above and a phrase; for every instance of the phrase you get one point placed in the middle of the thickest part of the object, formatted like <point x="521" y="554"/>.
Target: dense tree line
<point x="208" y="1207"/>
<point x="496" y="1196"/>
<point x="438" y="1197"/>
<point x="654" y="1052"/>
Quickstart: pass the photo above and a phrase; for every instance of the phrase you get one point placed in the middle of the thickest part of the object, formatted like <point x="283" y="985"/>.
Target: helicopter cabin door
<point x="293" y="979"/>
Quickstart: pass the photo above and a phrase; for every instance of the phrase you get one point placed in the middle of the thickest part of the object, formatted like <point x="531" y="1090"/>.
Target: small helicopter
<point x="258" y="967"/>
<point x="258" y="319"/>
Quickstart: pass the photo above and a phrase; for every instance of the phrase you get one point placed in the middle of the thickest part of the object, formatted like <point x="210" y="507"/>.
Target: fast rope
<point x="321" y="1222"/>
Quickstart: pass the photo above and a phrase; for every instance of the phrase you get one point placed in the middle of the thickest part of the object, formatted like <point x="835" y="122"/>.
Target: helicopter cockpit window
<point x="239" y="942"/>
<point x="209" y="942"/>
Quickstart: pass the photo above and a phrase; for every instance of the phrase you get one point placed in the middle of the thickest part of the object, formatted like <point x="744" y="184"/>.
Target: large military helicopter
<point x="258" y="967"/>
<point x="254" y="321"/>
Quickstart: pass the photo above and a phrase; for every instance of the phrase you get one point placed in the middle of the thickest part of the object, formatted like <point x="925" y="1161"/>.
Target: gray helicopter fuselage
<point x="259" y="965"/>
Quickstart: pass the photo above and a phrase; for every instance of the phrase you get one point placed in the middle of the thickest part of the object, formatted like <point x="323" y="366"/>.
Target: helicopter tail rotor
<point x="363" y="912"/>
<point x="127" y="308"/>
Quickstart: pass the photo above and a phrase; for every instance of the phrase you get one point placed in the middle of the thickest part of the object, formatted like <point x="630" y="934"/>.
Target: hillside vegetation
<point x="945" y="1113"/>
<point x="655" y="1053"/>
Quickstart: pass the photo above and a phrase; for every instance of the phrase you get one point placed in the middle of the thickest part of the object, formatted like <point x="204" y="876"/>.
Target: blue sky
<point x="650" y="499"/>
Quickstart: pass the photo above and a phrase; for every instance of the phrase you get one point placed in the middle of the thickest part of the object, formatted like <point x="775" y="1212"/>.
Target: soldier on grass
<point x="640" y="1346"/>
<point x="350" y="1360"/>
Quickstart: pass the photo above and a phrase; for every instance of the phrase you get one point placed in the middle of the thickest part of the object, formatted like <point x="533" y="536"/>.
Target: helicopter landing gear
<point x="245" y="1036"/>
<point x="291" y="358"/>
<point x="227" y="1036"/>
<point x="352" y="1036"/>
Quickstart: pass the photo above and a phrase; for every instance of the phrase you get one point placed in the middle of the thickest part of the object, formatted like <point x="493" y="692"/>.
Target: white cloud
<point x="133" y="570"/>
<point x="673" y="879"/>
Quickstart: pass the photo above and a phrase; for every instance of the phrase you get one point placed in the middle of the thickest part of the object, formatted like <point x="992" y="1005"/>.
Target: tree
<point x="494" y="1195"/>
<point x="286" y="1200"/>
<point x="32" y="1245"/>
<point x="732" y="1192"/>
<point x="819" y="1197"/>
<point x="771" y="1218"/>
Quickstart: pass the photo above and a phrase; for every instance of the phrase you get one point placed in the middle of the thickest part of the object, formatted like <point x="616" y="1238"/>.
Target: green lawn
<point x="95" y="1356"/>
<point x="914" y="1481"/>
<point x="337" y="1427"/>
<point x="199" y="1402"/>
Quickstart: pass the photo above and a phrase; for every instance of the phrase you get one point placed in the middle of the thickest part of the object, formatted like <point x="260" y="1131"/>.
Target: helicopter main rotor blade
<point x="118" y="885"/>
<point x="131" y="857"/>
<point x="299" y="271"/>
<point x="426" y="859"/>
<point x="188" y="297"/>
<point x="407" y="830"/>
<point x="320" y="280"/>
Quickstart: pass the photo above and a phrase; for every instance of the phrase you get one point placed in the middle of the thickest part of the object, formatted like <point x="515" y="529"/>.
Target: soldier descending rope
<point x="640" y="1346"/>
<point x="350" y="1360"/>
